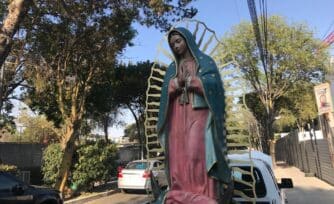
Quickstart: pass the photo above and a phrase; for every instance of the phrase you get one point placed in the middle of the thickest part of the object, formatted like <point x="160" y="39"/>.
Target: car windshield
<point x="260" y="188"/>
<point x="137" y="165"/>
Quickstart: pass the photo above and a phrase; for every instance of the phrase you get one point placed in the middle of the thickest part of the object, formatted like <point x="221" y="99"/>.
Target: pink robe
<point x="186" y="149"/>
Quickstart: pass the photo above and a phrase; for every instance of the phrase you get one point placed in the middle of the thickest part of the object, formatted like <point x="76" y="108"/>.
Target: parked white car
<point x="136" y="175"/>
<point x="267" y="190"/>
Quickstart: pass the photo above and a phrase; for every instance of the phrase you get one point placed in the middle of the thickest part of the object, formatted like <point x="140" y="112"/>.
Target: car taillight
<point x="146" y="174"/>
<point x="119" y="168"/>
<point x="119" y="174"/>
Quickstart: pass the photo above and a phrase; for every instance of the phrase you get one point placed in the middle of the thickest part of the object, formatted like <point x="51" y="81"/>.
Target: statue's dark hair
<point x="172" y="33"/>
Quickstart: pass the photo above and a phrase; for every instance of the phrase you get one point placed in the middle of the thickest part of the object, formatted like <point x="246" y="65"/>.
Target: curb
<point x="90" y="198"/>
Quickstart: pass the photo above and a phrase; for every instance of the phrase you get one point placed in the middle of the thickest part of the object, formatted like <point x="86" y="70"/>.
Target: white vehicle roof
<point x="145" y="160"/>
<point x="250" y="156"/>
<point x="263" y="164"/>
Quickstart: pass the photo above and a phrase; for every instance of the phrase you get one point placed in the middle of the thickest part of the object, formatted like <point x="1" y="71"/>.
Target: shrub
<point x="8" y="168"/>
<point x="52" y="157"/>
<point x="96" y="163"/>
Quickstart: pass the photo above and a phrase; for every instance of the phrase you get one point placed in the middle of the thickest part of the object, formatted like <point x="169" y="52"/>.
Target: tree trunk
<point x="268" y="136"/>
<point x="272" y="151"/>
<point x="138" y="131"/>
<point x="105" y="128"/>
<point x="269" y="143"/>
<point x="69" y="148"/>
<point x="17" y="9"/>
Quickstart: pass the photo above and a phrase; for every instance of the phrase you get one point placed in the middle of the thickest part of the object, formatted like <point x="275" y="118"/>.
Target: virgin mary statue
<point x="191" y="125"/>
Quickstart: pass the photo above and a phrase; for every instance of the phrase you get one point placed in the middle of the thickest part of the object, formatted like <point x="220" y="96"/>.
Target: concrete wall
<point x="25" y="156"/>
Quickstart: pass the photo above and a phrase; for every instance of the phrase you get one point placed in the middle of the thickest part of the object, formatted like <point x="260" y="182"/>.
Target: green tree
<point x="297" y="107"/>
<point x="37" y="129"/>
<point x="102" y="109"/>
<point x="131" y="131"/>
<point x="124" y="88"/>
<point x="71" y="44"/>
<point x="130" y="84"/>
<point x="293" y="56"/>
<point x="7" y="128"/>
<point x="12" y="77"/>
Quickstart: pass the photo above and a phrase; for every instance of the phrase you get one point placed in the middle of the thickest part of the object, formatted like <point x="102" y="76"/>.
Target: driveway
<point x="307" y="190"/>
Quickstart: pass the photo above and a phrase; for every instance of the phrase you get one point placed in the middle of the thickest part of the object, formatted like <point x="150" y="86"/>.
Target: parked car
<point x="267" y="190"/>
<point x="14" y="191"/>
<point x="137" y="175"/>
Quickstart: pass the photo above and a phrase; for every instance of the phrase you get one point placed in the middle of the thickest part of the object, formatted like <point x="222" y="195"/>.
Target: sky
<point x="222" y="15"/>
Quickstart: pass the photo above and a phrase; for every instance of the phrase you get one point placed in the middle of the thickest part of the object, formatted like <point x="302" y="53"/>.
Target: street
<point x="133" y="197"/>
<point x="307" y="190"/>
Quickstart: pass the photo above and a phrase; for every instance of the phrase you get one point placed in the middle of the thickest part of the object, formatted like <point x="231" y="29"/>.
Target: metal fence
<point x="313" y="155"/>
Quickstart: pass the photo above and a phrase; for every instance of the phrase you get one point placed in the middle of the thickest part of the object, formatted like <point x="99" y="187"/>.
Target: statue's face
<point x="178" y="44"/>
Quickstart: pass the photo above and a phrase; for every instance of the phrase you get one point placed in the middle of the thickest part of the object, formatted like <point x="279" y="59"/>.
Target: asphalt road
<point x="307" y="190"/>
<point x="133" y="197"/>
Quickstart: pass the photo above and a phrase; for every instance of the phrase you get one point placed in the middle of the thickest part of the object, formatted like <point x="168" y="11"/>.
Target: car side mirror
<point x="285" y="183"/>
<point x="18" y="189"/>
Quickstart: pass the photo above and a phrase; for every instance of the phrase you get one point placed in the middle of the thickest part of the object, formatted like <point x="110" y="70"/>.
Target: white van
<point x="254" y="180"/>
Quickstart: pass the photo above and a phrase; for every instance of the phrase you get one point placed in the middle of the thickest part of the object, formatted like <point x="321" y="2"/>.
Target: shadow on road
<point x="105" y="187"/>
<point x="282" y="165"/>
<point x="309" y="195"/>
<point x="141" y="192"/>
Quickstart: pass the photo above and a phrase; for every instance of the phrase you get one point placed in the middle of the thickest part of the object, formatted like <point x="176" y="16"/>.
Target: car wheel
<point x="124" y="191"/>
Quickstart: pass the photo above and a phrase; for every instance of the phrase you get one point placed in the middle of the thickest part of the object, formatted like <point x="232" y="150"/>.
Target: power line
<point x="261" y="38"/>
<point x="263" y="11"/>
<point x="329" y="28"/>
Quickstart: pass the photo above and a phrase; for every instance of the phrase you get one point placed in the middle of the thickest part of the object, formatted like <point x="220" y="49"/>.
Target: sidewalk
<point x="307" y="190"/>
<point x="109" y="189"/>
